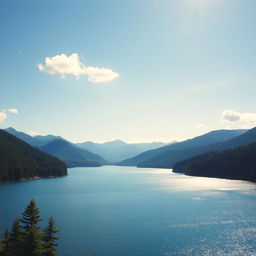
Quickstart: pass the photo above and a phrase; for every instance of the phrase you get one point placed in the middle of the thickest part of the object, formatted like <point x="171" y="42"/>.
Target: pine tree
<point x="31" y="216"/>
<point x="26" y="238"/>
<point x="50" y="238"/>
<point x="33" y="245"/>
<point x="15" y="240"/>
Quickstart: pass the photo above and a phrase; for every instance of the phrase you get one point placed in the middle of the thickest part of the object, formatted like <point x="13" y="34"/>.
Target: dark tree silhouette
<point x="49" y="238"/>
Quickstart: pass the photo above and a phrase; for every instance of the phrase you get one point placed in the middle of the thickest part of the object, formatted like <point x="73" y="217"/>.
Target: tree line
<point x="27" y="238"/>
<point x="237" y="163"/>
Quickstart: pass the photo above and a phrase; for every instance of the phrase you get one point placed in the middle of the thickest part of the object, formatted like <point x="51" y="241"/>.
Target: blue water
<point x="125" y="211"/>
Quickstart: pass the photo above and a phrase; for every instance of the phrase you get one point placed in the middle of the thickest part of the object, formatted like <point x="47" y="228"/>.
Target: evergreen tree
<point x="50" y="238"/>
<point x="15" y="240"/>
<point x="26" y="238"/>
<point x="31" y="216"/>
<point x="33" y="245"/>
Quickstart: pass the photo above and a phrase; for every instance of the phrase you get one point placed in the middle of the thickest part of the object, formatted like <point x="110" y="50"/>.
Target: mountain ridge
<point x="169" y="158"/>
<point x="116" y="150"/>
<point x="202" y="140"/>
<point x="72" y="155"/>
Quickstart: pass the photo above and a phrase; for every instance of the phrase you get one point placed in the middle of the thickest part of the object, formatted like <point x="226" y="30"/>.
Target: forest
<point x="19" y="160"/>
<point x="238" y="163"/>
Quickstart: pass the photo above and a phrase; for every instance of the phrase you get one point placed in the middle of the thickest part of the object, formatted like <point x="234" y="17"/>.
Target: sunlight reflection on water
<point x="209" y="186"/>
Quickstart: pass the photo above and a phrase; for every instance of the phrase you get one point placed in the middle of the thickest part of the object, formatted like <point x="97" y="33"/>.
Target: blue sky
<point x="162" y="69"/>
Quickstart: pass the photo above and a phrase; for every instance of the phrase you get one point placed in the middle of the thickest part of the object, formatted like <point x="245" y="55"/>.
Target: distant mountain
<point x="238" y="163"/>
<point x="48" y="138"/>
<point x="168" y="158"/>
<point x="72" y="155"/>
<point x="35" y="141"/>
<point x="20" y="160"/>
<point x="118" y="150"/>
<point x="23" y="136"/>
<point x="160" y="157"/>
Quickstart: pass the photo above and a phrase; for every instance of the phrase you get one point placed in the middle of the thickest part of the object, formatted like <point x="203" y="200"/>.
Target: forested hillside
<point x="238" y="163"/>
<point x="20" y="160"/>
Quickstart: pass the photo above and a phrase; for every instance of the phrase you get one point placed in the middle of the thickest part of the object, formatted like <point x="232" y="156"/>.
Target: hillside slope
<point x="238" y="163"/>
<point x="35" y="141"/>
<point x="72" y="155"/>
<point x="20" y="160"/>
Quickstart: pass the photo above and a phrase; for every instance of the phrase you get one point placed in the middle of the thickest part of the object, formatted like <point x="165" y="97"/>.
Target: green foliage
<point x="49" y="238"/>
<point x="32" y="235"/>
<point x="31" y="216"/>
<point x="20" y="160"/>
<point x="26" y="237"/>
<point x="13" y="240"/>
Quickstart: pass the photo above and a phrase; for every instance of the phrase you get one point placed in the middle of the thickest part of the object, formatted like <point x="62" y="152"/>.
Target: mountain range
<point x="87" y="153"/>
<point x="196" y="156"/>
<point x="165" y="156"/>
<point x="169" y="158"/>
<point x="72" y="155"/>
<point x="35" y="141"/>
<point x="118" y="150"/>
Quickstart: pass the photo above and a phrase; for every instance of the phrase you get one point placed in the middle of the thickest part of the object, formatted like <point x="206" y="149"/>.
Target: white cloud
<point x="99" y="75"/>
<point x="234" y="116"/>
<point x="3" y="116"/>
<point x="12" y="110"/>
<point x="230" y="116"/>
<point x="71" y="65"/>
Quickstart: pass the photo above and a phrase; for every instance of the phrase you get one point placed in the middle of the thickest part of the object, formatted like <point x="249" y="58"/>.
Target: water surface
<point x="125" y="211"/>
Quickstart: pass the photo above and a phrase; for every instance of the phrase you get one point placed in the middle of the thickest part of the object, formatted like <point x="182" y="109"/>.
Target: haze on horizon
<point x="139" y="70"/>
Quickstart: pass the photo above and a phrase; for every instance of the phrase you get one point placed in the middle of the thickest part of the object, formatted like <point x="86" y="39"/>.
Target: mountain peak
<point x="10" y="129"/>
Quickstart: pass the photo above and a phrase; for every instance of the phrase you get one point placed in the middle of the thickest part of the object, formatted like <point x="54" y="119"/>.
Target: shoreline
<point x="39" y="177"/>
<point x="31" y="178"/>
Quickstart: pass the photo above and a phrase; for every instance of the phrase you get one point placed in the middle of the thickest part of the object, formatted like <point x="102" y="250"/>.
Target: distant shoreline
<point x="31" y="178"/>
<point x="39" y="177"/>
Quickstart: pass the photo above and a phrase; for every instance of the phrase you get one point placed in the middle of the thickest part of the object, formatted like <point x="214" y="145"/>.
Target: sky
<point x="137" y="70"/>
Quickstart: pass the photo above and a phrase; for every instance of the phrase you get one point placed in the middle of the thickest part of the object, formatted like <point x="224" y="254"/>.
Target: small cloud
<point x="248" y="119"/>
<point x="230" y="116"/>
<point x="12" y="110"/>
<point x="71" y="65"/>
<point x="200" y="126"/>
<point x="34" y="133"/>
<point x="3" y="117"/>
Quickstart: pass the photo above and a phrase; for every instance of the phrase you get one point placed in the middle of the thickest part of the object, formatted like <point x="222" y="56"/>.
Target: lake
<point x="126" y="211"/>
